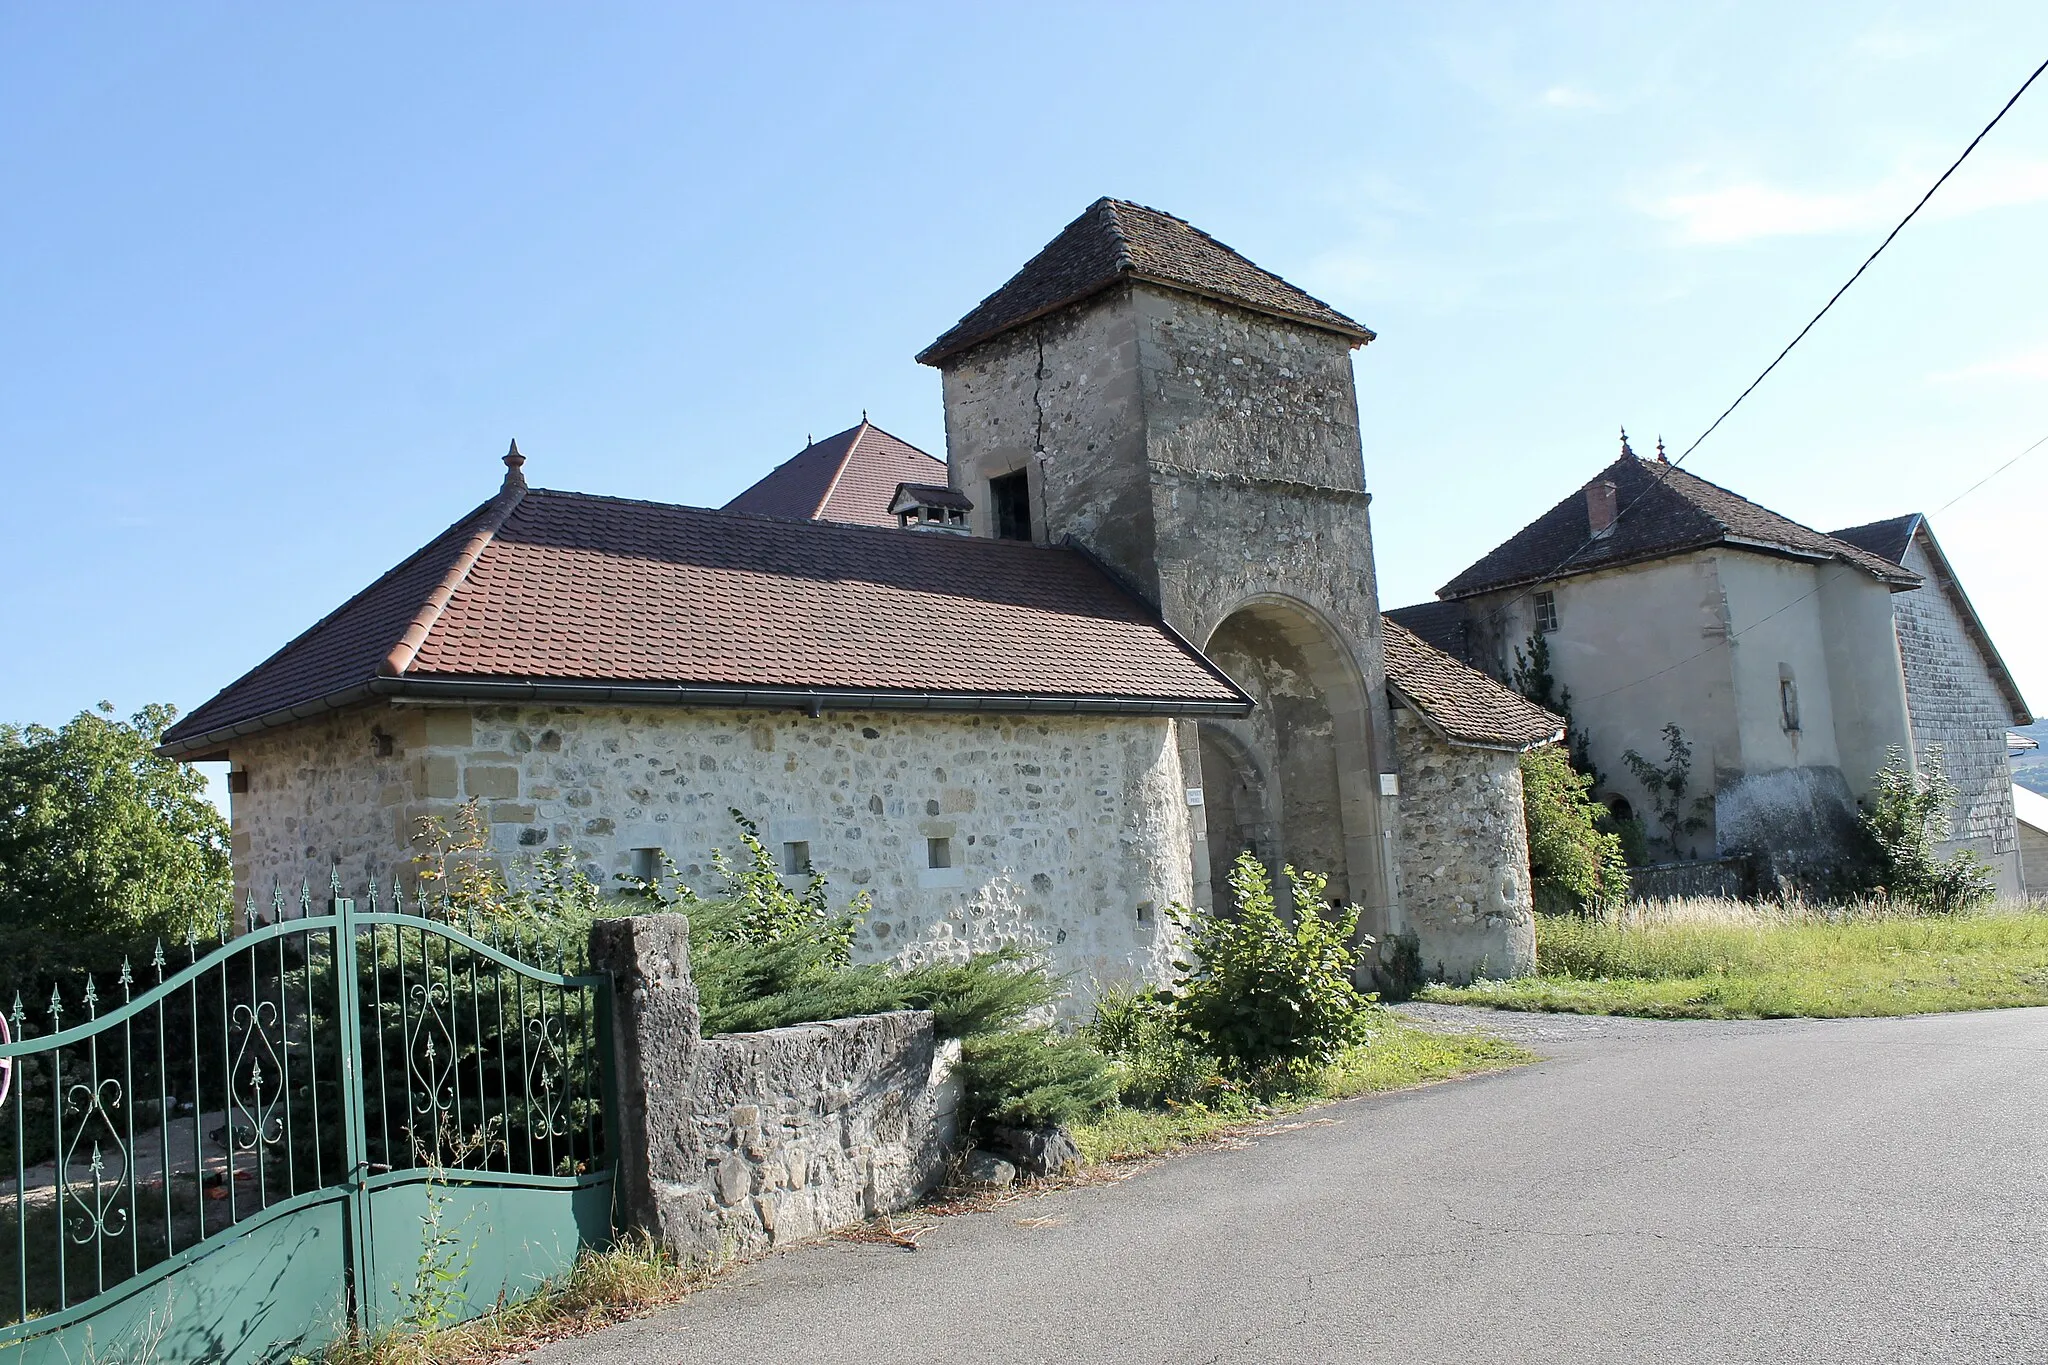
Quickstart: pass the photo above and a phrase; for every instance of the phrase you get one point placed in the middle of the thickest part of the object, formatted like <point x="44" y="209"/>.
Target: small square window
<point x="646" y="864"/>
<point x="796" y="858"/>
<point x="938" y="853"/>
<point x="1546" y="612"/>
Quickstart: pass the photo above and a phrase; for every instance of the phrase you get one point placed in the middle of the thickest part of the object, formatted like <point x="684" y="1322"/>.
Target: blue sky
<point x="278" y="282"/>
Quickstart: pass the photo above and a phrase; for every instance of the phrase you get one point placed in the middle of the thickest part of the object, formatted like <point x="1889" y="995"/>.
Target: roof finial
<point x="1662" y="458"/>
<point x="863" y="416"/>
<point x="513" y="460"/>
<point x="1626" y="452"/>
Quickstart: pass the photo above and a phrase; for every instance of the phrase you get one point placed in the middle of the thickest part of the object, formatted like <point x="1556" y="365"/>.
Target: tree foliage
<point x="1907" y="818"/>
<point x="1573" y="864"/>
<point x="1266" y="996"/>
<point x="1533" y="679"/>
<point x="1667" y="784"/>
<point x="100" y="837"/>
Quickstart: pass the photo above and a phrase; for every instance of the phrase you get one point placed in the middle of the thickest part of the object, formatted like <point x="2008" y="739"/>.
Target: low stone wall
<point x="732" y="1145"/>
<point x="1724" y="878"/>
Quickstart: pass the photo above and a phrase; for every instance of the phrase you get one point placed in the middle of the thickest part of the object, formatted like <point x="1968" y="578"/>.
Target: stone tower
<point x="1191" y="420"/>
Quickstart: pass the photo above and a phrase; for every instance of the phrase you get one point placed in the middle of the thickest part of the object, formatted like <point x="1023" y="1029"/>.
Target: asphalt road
<point x="1853" y="1191"/>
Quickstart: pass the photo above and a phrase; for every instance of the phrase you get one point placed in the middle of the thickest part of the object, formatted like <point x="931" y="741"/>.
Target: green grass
<point x="1701" y="962"/>
<point x="1396" y="1056"/>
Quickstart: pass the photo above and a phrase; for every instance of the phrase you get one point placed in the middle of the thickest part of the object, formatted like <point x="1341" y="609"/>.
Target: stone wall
<point x="1464" y="857"/>
<point x="1069" y="833"/>
<point x="734" y="1145"/>
<point x="1955" y="702"/>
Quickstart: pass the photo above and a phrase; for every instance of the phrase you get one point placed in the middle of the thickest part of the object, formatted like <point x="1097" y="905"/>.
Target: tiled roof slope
<point x="1664" y="510"/>
<point x="1462" y="703"/>
<point x="1440" y="625"/>
<point x="575" y="589"/>
<point x="1114" y="240"/>
<point x="1887" y="539"/>
<point x="848" y="477"/>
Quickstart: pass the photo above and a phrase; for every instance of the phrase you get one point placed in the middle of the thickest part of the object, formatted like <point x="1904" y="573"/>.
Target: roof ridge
<point x="1125" y="263"/>
<point x="845" y="460"/>
<point x="408" y="647"/>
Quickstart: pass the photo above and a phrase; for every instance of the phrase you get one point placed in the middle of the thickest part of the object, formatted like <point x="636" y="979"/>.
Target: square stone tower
<point x="1190" y="419"/>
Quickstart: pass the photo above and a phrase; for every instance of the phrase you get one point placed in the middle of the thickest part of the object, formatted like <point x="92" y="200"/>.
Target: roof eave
<point x="815" y="700"/>
<point x="1437" y="728"/>
<point x="940" y="351"/>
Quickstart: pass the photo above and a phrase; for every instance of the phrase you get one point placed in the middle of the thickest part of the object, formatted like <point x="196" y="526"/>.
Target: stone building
<point x="1959" y="692"/>
<point x="1158" y="644"/>
<point x="1792" y="661"/>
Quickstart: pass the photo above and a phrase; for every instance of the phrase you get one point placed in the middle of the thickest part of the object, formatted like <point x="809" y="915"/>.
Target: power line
<point x="1735" y="635"/>
<point x="1658" y="481"/>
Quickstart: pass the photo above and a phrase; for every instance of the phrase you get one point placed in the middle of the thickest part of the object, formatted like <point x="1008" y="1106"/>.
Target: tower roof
<point x="1114" y="240"/>
<point x="847" y="478"/>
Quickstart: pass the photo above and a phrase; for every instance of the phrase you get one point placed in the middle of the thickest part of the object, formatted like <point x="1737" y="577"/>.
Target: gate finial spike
<point x="92" y="997"/>
<point x="56" y="1003"/>
<point x="18" y="1016"/>
<point x="334" y="878"/>
<point x="373" y="893"/>
<point x="306" y="895"/>
<point x="157" y="959"/>
<point x="127" y="980"/>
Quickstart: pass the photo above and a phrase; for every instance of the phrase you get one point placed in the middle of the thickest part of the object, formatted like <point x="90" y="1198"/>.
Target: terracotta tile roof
<point x="847" y="478"/>
<point x="1113" y="241"/>
<point x="628" y="598"/>
<point x="1462" y="704"/>
<point x="1664" y="510"/>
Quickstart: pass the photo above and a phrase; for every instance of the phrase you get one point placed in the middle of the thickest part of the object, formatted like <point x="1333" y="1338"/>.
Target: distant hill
<point x="2030" y="769"/>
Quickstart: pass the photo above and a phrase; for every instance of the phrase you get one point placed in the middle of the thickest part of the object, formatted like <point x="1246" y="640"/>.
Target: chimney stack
<point x="1600" y="510"/>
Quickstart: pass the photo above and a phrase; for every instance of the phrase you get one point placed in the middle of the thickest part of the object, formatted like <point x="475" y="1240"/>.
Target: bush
<point x="1155" y="1061"/>
<point x="1573" y="866"/>
<point x="1269" y="999"/>
<point x="1033" y="1078"/>
<point x="1907" y="818"/>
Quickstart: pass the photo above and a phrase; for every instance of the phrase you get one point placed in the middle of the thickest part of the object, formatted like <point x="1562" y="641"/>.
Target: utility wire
<point x="1838" y="570"/>
<point x="1658" y="481"/>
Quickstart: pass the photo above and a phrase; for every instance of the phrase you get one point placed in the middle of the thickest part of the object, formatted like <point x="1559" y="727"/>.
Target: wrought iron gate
<point x="358" y="1119"/>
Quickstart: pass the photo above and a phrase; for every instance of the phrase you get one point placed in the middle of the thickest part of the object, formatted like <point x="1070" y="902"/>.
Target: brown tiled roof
<point x="1664" y="510"/>
<point x="1114" y="240"/>
<point x="931" y="495"/>
<point x="847" y="478"/>
<point x="1462" y="704"/>
<point x="541" y="593"/>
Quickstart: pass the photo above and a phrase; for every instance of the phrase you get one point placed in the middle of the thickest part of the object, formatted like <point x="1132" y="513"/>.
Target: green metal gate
<point x="362" y="1119"/>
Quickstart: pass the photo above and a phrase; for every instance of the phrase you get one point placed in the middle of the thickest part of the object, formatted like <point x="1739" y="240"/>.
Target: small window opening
<point x="1144" y="912"/>
<point x="1620" y="809"/>
<point x="1788" y="697"/>
<point x="1009" y="501"/>
<point x="938" y="853"/>
<point x="646" y="864"/>
<point x="382" y="743"/>
<point x="1546" y="612"/>
<point x="796" y="858"/>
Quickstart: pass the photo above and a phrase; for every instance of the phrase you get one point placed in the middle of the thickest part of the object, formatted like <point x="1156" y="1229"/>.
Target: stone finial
<point x="1624" y="443"/>
<point x="513" y="461"/>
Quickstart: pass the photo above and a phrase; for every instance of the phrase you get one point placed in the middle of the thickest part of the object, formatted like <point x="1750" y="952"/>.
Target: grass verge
<point x="627" y="1281"/>
<point x="1691" y="962"/>
<point x="1397" y="1055"/>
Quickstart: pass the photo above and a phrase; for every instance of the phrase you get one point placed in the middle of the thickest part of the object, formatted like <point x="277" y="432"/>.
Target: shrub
<point x="1907" y="819"/>
<point x="1155" y="1061"/>
<point x="1573" y="865"/>
<point x="1033" y="1078"/>
<point x="1272" y="1000"/>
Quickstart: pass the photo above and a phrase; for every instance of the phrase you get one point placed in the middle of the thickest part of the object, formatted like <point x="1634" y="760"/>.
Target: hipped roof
<point x="847" y="477"/>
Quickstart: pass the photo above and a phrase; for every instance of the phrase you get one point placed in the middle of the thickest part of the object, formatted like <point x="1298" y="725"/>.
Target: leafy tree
<point x="100" y="837"/>
<point x="1667" y="784"/>
<point x="1573" y="864"/>
<point x="1270" y="999"/>
<point x="1907" y="818"/>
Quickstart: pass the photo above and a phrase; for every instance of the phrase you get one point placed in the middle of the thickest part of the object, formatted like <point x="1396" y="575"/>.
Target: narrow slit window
<point x="796" y="858"/>
<point x="1009" y="503"/>
<point x="1788" y="697"/>
<point x="646" y="864"/>
<point x="938" y="853"/>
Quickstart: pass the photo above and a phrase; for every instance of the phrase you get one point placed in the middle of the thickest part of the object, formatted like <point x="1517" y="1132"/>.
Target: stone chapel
<point x="1041" y="690"/>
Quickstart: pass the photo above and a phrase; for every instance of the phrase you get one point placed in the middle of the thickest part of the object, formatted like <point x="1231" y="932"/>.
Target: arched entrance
<point x="1290" y="782"/>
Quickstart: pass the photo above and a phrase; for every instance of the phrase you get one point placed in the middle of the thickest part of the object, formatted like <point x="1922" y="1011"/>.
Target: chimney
<point x="1600" y="511"/>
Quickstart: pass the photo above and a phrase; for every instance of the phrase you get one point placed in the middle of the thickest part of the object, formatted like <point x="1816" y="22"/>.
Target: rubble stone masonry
<point x="1065" y="832"/>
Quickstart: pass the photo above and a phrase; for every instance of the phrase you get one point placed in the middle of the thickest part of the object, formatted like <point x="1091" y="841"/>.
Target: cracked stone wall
<point x="1464" y="856"/>
<point x="1069" y="833"/>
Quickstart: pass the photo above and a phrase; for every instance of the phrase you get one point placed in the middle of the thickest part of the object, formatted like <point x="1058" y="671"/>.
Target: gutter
<point x="813" y="700"/>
